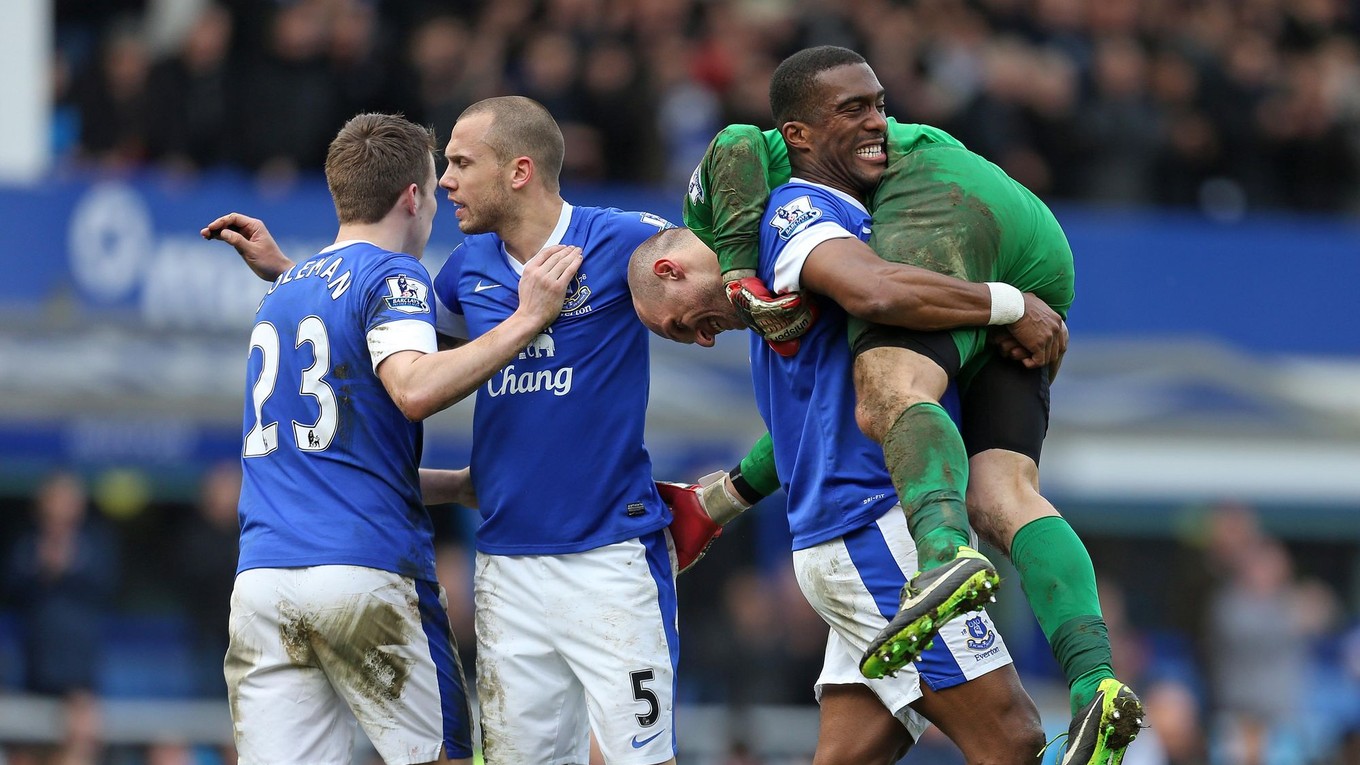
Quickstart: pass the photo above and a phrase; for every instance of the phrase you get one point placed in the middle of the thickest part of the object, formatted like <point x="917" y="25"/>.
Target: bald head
<point x="522" y="127"/>
<point x="647" y="286"/>
<point x="677" y="288"/>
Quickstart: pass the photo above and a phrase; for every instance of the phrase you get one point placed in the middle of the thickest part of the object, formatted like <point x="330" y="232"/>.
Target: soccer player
<point x="575" y="575"/>
<point x="852" y="552"/>
<point x="942" y="207"/>
<point x="336" y="603"/>
<point x="575" y="585"/>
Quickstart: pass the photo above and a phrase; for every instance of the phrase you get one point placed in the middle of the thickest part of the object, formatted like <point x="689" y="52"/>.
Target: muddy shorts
<point x="311" y="645"/>
<point x="571" y="643"/>
<point x="853" y="582"/>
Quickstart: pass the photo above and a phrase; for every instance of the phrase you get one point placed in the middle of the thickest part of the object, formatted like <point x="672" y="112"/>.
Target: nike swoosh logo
<point x="639" y="744"/>
<point x="479" y="287"/>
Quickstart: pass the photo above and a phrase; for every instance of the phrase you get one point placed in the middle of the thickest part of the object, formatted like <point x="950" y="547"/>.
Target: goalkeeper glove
<point x="780" y="319"/>
<point x="698" y="513"/>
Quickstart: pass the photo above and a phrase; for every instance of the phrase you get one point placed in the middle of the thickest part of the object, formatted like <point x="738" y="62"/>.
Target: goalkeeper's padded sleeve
<point x="737" y="167"/>
<point x="755" y="477"/>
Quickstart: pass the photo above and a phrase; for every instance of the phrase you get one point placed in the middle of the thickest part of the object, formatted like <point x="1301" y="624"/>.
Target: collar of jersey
<point x="563" y="220"/>
<point x="858" y="205"/>
<point x="346" y="243"/>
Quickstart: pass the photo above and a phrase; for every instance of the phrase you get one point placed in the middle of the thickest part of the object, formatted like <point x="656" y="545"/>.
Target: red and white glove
<point x="698" y="513"/>
<point x="780" y="319"/>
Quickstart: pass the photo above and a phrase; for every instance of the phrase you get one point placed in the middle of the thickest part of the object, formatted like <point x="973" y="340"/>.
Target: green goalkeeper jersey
<point x="728" y="190"/>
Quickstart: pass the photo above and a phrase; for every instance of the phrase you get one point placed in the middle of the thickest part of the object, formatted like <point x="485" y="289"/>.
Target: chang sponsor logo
<point x="511" y="382"/>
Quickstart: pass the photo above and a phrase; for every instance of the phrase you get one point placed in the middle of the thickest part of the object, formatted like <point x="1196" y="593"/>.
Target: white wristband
<point x="1008" y="303"/>
<point x="719" y="502"/>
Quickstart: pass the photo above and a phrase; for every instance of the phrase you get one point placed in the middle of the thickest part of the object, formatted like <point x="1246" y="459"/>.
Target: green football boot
<point x="930" y="600"/>
<point x="1104" y="728"/>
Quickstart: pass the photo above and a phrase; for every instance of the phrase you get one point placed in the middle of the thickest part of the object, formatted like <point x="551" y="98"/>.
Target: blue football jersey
<point x="330" y="463"/>
<point x="834" y="475"/>
<point x="558" y="458"/>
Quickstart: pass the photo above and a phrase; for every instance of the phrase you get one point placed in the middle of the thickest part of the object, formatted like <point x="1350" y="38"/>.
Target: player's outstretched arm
<point x="440" y="487"/>
<point x="850" y="273"/>
<point x="421" y="384"/>
<point x="252" y="241"/>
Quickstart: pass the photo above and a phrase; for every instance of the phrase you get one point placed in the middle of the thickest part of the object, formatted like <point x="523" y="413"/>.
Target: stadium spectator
<point x="114" y="102"/>
<point x="295" y="100"/>
<point x="1263" y="624"/>
<point x="192" y="124"/>
<point x="206" y="571"/>
<point x="62" y="575"/>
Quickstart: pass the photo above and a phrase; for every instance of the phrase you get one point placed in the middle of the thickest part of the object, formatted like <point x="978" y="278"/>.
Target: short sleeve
<point x="399" y="314"/>
<point x="800" y="224"/>
<point x="449" y="319"/>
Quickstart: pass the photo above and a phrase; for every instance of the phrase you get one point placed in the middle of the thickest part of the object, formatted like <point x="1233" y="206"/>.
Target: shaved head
<point x="522" y="127"/>
<point x="642" y="279"/>
<point x="677" y="288"/>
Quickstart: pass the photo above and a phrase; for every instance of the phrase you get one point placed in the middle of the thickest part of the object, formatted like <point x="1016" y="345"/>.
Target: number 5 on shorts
<point x="640" y="693"/>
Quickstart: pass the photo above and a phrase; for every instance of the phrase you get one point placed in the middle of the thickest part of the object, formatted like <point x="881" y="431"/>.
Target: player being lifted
<point x="336" y="602"/>
<point x="940" y="207"/>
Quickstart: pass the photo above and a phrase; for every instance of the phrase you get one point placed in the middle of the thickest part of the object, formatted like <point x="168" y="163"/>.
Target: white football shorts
<point x="578" y="642"/>
<point x="310" y="646"/>
<point x="853" y="582"/>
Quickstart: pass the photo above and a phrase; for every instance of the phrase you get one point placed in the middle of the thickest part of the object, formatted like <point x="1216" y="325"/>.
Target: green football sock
<point x="929" y="467"/>
<point x="1060" y="585"/>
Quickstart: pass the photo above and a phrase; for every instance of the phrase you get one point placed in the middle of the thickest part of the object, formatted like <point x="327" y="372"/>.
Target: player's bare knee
<point x="878" y="407"/>
<point x="1020" y="744"/>
<point x="869" y="416"/>
<point x="868" y="750"/>
<point x="1020" y="741"/>
<point x="987" y="519"/>
<point x="1016" y="745"/>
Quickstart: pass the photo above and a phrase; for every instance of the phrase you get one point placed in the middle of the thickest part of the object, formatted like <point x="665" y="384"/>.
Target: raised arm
<point x="252" y="241"/>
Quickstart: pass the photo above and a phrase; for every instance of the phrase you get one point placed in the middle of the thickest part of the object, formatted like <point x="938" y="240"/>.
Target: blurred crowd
<point x="1224" y="105"/>
<point x="1244" y="647"/>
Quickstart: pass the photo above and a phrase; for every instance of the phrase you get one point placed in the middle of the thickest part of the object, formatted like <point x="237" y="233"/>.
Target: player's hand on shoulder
<point x="546" y="277"/>
<point x="1041" y="333"/>
<point x="252" y="241"/>
<point x="780" y="319"/>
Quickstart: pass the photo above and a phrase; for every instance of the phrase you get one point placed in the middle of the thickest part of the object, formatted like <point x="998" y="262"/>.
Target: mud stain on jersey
<point x="923" y="220"/>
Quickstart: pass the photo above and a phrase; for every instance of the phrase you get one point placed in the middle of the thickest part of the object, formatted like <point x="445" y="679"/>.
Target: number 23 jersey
<point x="329" y="461"/>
